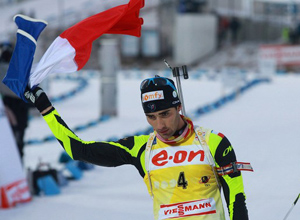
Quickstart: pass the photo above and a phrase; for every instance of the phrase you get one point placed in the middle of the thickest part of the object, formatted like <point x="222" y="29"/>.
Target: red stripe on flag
<point x="123" y="19"/>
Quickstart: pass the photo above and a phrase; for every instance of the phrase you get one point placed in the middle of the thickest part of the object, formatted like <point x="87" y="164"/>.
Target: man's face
<point x="166" y="122"/>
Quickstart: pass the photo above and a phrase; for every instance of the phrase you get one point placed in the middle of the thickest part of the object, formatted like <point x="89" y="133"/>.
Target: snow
<point x="262" y="124"/>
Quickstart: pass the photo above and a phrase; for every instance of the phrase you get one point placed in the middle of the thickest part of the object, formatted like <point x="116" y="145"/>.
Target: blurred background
<point x="184" y="31"/>
<point x="229" y="47"/>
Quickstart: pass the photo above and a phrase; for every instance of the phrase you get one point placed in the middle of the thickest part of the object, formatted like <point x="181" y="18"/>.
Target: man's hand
<point x="38" y="98"/>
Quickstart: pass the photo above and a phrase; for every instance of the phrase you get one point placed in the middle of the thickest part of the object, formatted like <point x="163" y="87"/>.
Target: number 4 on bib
<point x="182" y="182"/>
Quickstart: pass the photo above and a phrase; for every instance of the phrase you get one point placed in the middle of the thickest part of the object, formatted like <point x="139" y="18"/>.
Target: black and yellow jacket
<point x="131" y="150"/>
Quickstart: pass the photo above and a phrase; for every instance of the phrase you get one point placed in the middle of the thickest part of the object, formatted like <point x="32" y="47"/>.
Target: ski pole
<point x="176" y="74"/>
<point x="288" y="213"/>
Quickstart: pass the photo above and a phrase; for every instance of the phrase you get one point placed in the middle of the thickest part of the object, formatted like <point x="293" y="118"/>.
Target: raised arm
<point x="110" y="154"/>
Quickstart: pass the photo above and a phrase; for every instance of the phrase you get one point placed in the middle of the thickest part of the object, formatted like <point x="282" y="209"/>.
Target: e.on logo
<point x="151" y="96"/>
<point x="170" y="158"/>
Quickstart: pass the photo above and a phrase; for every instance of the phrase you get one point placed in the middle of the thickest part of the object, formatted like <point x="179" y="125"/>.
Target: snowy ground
<point x="262" y="124"/>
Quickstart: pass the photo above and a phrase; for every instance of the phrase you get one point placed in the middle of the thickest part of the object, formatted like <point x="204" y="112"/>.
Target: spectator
<point x="223" y="24"/>
<point x="234" y="26"/>
<point x="16" y="109"/>
<point x="285" y="35"/>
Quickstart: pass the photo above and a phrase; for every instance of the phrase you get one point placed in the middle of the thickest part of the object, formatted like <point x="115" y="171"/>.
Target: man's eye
<point x="165" y="114"/>
<point x="151" y="117"/>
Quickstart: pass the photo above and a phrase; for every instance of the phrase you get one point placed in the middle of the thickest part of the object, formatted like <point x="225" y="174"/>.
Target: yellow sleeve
<point x="128" y="150"/>
<point x="232" y="184"/>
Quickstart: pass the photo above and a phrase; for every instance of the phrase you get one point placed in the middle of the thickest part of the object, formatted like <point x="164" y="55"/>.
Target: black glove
<point x="38" y="98"/>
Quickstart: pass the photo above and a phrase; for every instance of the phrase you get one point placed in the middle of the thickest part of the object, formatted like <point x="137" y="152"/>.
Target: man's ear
<point x="179" y="107"/>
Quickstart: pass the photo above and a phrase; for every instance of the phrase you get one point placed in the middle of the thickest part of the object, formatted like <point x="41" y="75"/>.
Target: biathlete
<point x="182" y="165"/>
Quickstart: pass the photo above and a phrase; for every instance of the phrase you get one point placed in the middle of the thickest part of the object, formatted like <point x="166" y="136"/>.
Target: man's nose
<point x="160" y="123"/>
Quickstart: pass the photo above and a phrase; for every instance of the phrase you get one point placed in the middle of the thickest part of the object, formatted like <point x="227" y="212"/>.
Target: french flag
<point x="71" y="50"/>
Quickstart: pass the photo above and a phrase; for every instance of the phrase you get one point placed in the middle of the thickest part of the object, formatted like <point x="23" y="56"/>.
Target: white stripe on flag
<point x="59" y="58"/>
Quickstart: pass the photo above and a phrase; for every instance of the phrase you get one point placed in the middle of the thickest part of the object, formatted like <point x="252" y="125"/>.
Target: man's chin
<point x="165" y="136"/>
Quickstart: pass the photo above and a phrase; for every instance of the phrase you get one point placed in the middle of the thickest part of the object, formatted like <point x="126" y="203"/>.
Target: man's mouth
<point x="164" y="131"/>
